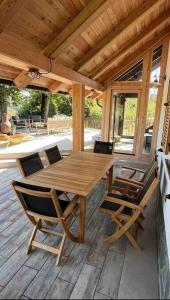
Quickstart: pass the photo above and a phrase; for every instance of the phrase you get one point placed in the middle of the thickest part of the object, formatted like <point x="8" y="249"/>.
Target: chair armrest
<point x="133" y="169"/>
<point x="129" y="180"/>
<point x="128" y="183"/>
<point x="122" y="202"/>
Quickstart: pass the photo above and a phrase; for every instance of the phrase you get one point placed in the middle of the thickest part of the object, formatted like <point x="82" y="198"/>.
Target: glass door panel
<point x="124" y="121"/>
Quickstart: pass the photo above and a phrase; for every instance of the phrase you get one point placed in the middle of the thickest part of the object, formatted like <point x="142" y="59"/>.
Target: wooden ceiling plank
<point x="131" y="43"/>
<point x="135" y="16"/>
<point x="136" y="56"/>
<point x="27" y="58"/>
<point x="73" y="30"/>
<point x="8" y="10"/>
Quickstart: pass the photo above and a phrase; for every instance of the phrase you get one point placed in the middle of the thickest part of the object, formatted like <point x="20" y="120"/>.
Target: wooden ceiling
<point x="88" y="41"/>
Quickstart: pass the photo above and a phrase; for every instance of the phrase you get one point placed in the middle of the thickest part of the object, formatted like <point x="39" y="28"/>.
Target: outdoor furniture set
<point x="58" y="193"/>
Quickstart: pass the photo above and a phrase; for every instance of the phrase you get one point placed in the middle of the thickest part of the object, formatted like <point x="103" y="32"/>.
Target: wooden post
<point x="147" y="64"/>
<point x="106" y="115"/>
<point x="78" y="117"/>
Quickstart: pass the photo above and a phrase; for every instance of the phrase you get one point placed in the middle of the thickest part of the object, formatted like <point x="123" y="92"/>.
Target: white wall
<point x="164" y="174"/>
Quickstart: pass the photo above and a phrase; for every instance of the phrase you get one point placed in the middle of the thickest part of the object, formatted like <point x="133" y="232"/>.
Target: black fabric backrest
<point x="40" y="205"/>
<point x="53" y="155"/>
<point x="31" y="164"/>
<point x="149" y="168"/>
<point x="103" y="147"/>
<point x="146" y="187"/>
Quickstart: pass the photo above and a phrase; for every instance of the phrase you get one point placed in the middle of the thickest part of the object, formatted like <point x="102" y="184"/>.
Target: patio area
<point x="92" y="270"/>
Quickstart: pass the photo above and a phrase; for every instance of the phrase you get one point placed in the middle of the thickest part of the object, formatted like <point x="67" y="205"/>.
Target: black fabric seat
<point x="40" y="205"/>
<point x="31" y="164"/>
<point x="114" y="207"/>
<point x="103" y="147"/>
<point x="53" y="155"/>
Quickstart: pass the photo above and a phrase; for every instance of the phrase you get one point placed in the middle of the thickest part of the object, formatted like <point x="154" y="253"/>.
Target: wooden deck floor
<point x="93" y="270"/>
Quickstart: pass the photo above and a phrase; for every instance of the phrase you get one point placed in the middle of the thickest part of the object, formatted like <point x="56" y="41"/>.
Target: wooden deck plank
<point x="60" y="290"/>
<point x="86" y="283"/>
<point x="15" y="288"/>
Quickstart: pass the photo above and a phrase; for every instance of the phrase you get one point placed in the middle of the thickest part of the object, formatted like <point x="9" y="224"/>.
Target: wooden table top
<point x="78" y="173"/>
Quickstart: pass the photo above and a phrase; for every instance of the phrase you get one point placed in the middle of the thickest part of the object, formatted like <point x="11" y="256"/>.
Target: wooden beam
<point x="134" y="17"/>
<point x="74" y="29"/>
<point x="78" y="117"/>
<point x="24" y="58"/>
<point x="131" y="43"/>
<point x="22" y="80"/>
<point x="129" y="85"/>
<point x="8" y="10"/>
<point x="135" y="57"/>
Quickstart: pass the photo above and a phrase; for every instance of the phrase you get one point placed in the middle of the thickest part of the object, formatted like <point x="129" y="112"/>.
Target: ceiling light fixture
<point x="34" y="73"/>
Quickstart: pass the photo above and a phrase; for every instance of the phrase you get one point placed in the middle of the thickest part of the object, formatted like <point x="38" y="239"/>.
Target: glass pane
<point x="92" y="122"/>
<point x="153" y="92"/>
<point x="124" y="121"/>
<point x="156" y="59"/>
<point x="133" y="74"/>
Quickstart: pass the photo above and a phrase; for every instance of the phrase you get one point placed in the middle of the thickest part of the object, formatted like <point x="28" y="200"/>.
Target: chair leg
<point x="32" y="237"/>
<point x="113" y="237"/>
<point x="60" y="249"/>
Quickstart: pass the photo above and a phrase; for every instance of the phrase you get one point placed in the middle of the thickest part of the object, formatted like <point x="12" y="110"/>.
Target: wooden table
<point x="78" y="173"/>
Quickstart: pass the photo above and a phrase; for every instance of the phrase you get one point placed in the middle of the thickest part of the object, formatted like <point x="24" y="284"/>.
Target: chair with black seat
<point x="125" y="212"/>
<point x="42" y="204"/>
<point x="103" y="147"/>
<point x="53" y="155"/>
<point x="29" y="164"/>
<point x="132" y="187"/>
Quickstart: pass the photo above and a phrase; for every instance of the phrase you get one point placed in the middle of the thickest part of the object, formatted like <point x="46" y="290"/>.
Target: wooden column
<point x="147" y="64"/>
<point x="78" y="117"/>
<point x="106" y="114"/>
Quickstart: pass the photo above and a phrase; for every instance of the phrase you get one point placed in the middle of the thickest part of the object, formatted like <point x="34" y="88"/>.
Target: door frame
<point x="131" y="89"/>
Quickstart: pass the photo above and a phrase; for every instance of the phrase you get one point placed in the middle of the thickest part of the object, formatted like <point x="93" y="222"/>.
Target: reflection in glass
<point x="153" y="92"/>
<point x="124" y="121"/>
<point x="156" y="60"/>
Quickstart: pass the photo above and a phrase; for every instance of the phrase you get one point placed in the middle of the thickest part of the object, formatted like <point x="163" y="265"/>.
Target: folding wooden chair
<point x="130" y="187"/>
<point x="53" y="155"/>
<point x="31" y="164"/>
<point x="103" y="147"/>
<point x="42" y="204"/>
<point x="135" y="171"/>
<point x="125" y="213"/>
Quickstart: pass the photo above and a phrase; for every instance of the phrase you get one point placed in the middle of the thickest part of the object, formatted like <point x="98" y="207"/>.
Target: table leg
<point x="110" y="179"/>
<point x="82" y="219"/>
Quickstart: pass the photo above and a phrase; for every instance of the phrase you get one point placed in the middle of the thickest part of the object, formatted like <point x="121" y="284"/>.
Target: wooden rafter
<point x="8" y="10"/>
<point x="56" y="86"/>
<point x="135" y="16"/>
<point x="135" y="57"/>
<point x="25" y="58"/>
<point x="92" y="10"/>
<point x="131" y="43"/>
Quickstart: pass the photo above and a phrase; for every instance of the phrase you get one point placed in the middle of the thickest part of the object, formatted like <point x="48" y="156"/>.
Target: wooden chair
<point x="103" y="147"/>
<point x="41" y="204"/>
<point x="29" y="164"/>
<point x="125" y="213"/>
<point x="134" y="171"/>
<point x="53" y="155"/>
<point x="132" y="187"/>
